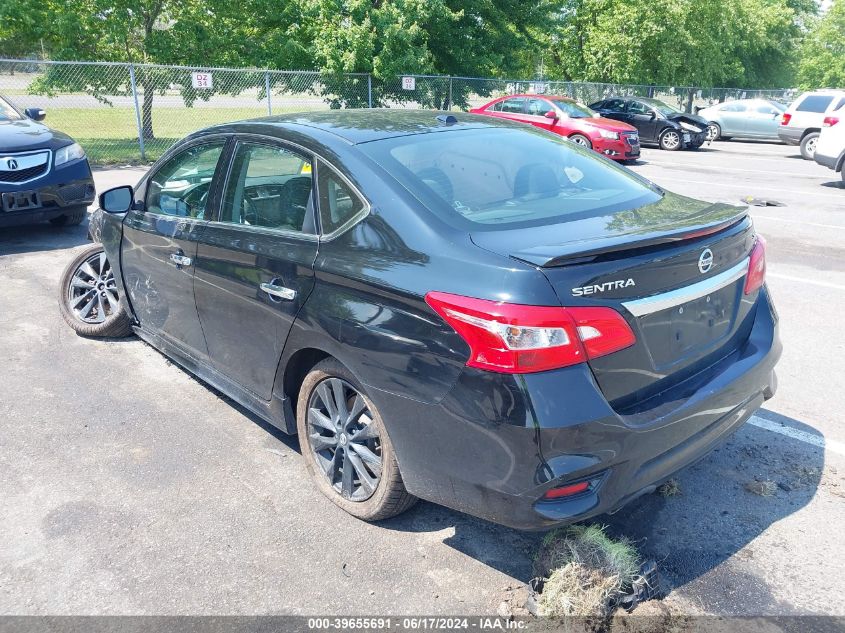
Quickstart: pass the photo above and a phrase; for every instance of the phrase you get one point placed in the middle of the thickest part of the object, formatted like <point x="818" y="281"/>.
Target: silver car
<point x="745" y="118"/>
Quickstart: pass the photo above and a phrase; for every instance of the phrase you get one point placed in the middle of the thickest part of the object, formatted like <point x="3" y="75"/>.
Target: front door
<point x="159" y="245"/>
<point x="644" y="118"/>
<point x="254" y="263"/>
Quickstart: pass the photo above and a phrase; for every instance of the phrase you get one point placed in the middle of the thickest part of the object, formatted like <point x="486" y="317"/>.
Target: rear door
<point x="254" y="262"/>
<point x="614" y="109"/>
<point x="762" y="120"/>
<point x="159" y="246"/>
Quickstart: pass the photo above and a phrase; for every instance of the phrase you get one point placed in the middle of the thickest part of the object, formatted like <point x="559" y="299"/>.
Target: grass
<point x="671" y="488"/>
<point x="110" y="134"/>
<point x="584" y="571"/>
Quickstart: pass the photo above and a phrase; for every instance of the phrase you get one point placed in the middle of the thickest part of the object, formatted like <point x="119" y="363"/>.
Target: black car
<point x="448" y="307"/>
<point x="670" y="128"/>
<point x="44" y="174"/>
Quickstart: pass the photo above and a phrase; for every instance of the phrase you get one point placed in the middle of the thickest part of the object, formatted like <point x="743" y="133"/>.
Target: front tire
<point x="808" y="145"/>
<point x="714" y="132"/>
<point x="346" y="448"/>
<point x="89" y="299"/>
<point x="72" y="217"/>
<point x="670" y="140"/>
<point x="583" y="141"/>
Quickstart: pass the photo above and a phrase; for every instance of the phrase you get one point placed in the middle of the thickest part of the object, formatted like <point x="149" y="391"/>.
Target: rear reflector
<point x="830" y="121"/>
<point x="567" y="491"/>
<point x="786" y="117"/>
<point x="756" y="267"/>
<point x="515" y="339"/>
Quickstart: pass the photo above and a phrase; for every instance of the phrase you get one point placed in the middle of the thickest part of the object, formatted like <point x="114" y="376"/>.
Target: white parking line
<point x="821" y="226"/>
<point x="814" y="282"/>
<point x="802" y="436"/>
<point x="723" y="168"/>
<point x="746" y="188"/>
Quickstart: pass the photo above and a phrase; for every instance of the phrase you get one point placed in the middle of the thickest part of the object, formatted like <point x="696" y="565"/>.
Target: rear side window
<point x="614" y="105"/>
<point x="814" y="103"/>
<point x="733" y="107"/>
<point x="484" y="179"/>
<point x="512" y="106"/>
<point x="339" y="203"/>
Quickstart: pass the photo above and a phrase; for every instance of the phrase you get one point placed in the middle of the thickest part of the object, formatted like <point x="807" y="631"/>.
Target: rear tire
<point x="88" y="296"/>
<point x="808" y="145"/>
<point x="71" y="217"/>
<point x="670" y="140"/>
<point x="583" y="141"/>
<point x="350" y="436"/>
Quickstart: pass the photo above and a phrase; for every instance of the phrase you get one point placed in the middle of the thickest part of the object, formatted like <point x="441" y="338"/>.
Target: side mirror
<point x="652" y="115"/>
<point x="117" y="200"/>
<point x="36" y="114"/>
<point x="551" y="114"/>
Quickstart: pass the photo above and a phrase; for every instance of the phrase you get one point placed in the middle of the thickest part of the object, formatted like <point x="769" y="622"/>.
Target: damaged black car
<point x="657" y="122"/>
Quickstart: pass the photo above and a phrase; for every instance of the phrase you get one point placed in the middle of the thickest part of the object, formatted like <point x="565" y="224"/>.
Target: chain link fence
<point x="131" y="113"/>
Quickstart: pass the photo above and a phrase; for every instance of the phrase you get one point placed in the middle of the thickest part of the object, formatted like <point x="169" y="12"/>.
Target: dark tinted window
<point x="486" y="178"/>
<point x="814" y="103"/>
<point x="513" y="106"/>
<point x="338" y="202"/>
<point x="637" y="107"/>
<point x="614" y="105"/>
<point x="268" y="186"/>
<point x="181" y="186"/>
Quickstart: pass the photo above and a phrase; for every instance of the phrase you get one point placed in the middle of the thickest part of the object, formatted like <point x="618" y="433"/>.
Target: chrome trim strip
<point x="663" y="301"/>
<point x="48" y="162"/>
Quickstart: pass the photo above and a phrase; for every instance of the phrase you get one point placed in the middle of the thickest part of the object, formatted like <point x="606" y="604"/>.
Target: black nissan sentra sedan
<point x="44" y="174"/>
<point x="447" y="307"/>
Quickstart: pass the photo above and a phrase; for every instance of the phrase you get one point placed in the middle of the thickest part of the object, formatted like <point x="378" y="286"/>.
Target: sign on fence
<point x="409" y="83"/>
<point x="202" y="81"/>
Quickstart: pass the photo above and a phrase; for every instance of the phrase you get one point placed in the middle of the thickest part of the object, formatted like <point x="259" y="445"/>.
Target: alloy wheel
<point x="92" y="294"/>
<point x="580" y="140"/>
<point x="671" y="140"/>
<point x="344" y="440"/>
<point x="712" y="132"/>
<point x="811" y="146"/>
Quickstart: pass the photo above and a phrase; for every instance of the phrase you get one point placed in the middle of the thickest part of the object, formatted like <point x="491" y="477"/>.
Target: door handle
<point x="281" y="292"/>
<point x="180" y="260"/>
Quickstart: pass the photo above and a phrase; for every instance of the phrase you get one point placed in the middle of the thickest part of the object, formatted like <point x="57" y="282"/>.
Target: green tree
<point x="823" y="55"/>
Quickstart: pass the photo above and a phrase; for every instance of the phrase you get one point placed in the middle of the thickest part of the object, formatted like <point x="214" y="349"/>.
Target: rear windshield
<point x="814" y="103"/>
<point x="7" y="112"/>
<point x="490" y="178"/>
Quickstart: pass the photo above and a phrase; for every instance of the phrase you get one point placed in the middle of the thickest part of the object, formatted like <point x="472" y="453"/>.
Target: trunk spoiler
<point x="553" y="255"/>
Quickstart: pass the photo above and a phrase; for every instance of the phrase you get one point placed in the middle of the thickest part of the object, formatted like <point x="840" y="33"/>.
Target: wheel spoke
<point x="358" y="405"/>
<point x="372" y="460"/>
<point x="347" y="481"/>
<point x="84" y="312"/>
<point x="77" y="301"/>
<point x="366" y="433"/>
<point x="79" y="282"/>
<point x="329" y="465"/>
<point x="328" y="401"/>
<point x="86" y="268"/>
<point x="101" y="313"/>
<point x="112" y="299"/>
<point x="367" y="481"/>
<point x="316" y="418"/>
<point x="102" y="262"/>
<point x="321" y="442"/>
<point x="339" y="399"/>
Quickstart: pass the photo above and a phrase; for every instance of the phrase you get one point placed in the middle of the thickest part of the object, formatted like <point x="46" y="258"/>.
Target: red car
<point x="568" y="118"/>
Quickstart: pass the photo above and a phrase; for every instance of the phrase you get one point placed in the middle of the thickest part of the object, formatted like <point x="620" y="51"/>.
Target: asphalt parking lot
<point x="128" y="487"/>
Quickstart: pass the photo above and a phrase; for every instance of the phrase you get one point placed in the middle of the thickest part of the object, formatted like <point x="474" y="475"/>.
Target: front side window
<point x="814" y="103"/>
<point x="767" y="109"/>
<point x="486" y="179"/>
<point x="574" y="110"/>
<point x="268" y="187"/>
<point x="338" y="202"/>
<point x="538" y="107"/>
<point x="733" y="107"/>
<point x="181" y="186"/>
<point x="637" y="107"/>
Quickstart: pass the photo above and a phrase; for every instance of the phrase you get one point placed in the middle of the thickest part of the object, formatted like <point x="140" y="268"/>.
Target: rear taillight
<point x="515" y="339"/>
<point x="785" y="119"/>
<point x="830" y="121"/>
<point x="756" y="267"/>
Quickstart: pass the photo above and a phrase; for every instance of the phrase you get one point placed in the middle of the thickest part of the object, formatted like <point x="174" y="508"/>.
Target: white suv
<point x="830" y="149"/>
<point x="803" y="120"/>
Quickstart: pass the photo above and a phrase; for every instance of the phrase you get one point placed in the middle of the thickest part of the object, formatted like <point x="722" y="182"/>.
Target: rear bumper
<point x="495" y="444"/>
<point x="61" y="189"/>
<point x="790" y="135"/>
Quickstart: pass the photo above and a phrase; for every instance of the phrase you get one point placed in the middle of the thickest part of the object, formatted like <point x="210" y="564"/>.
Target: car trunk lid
<point x="673" y="269"/>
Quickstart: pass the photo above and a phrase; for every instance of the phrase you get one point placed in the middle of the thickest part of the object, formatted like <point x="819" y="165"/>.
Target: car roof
<point x="540" y="96"/>
<point x="365" y="125"/>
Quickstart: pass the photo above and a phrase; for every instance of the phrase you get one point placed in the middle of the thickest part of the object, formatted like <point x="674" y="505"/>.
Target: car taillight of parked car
<point x="515" y="339"/>
<point x="786" y="117"/>
<point x="756" y="267"/>
<point x="830" y="121"/>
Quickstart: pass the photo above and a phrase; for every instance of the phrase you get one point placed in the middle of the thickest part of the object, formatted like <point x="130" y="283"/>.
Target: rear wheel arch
<point x="297" y="367"/>
<point x="810" y="130"/>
